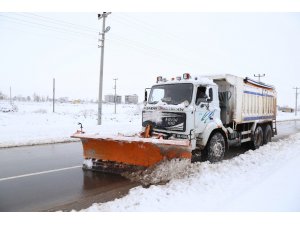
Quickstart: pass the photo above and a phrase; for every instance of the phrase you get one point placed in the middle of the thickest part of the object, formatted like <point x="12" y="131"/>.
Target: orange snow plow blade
<point x="119" y="154"/>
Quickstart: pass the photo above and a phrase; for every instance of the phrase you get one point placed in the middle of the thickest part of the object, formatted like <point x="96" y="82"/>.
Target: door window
<point x="201" y="95"/>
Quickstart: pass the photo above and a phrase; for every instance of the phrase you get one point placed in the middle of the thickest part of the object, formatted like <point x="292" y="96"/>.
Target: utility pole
<point x="10" y="95"/>
<point x="296" y="100"/>
<point x="104" y="30"/>
<point x="259" y="76"/>
<point x="115" y="87"/>
<point x="53" y="95"/>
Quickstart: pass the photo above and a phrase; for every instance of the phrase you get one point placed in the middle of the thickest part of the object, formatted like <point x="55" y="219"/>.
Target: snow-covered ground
<point x="284" y="116"/>
<point x="267" y="179"/>
<point x="35" y="123"/>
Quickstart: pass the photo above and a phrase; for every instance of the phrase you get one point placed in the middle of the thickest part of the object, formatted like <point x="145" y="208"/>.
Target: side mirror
<point x="210" y="95"/>
<point x="146" y="95"/>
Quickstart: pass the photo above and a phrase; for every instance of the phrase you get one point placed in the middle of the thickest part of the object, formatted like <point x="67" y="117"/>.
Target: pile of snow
<point x="162" y="173"/>
<point x="266" y="179"/>
<point x="88" y="163"/>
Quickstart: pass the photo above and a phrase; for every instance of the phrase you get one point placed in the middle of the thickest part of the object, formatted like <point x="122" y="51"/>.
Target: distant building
<point x="287" y="109"/>
<point x="63" y="99"/>
<point x="131" y="99"/>
<point x="76" y="101"/>
<point x="111" y="98"/>
<point x="2" y="96"/>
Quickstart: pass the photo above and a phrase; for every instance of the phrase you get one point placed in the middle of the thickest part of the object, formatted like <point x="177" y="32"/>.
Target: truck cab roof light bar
<point x="186" y="76"/>
<point x="159" y="79"/>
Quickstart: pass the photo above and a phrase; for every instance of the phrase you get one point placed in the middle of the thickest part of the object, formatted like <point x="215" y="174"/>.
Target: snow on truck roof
<point x="197" y="80"/>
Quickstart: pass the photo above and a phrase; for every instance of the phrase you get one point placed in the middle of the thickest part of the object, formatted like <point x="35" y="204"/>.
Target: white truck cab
<point x="213" y="112"/>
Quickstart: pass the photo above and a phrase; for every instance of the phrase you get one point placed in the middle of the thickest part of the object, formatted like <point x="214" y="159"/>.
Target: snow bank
<point x="266" y="179"/>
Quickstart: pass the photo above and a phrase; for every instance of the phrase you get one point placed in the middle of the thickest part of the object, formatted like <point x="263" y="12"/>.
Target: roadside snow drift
<point x="267" y="179"/>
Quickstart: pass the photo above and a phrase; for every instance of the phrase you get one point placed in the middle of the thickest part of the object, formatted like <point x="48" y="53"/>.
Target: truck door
<point x="204" y="111"/>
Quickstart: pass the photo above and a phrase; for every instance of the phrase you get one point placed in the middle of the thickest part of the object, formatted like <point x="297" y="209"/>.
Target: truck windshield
<point x="172" y="94"/>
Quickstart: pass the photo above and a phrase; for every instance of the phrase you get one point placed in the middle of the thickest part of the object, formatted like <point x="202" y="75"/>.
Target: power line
<point x="121" y="39"/>
<point x="130" y="21"/>
<point x="45" y="35"/>
<point x="129" y="42"/>
<point x="134" y="45"/>
<point x="56" y="21"/>
<point x="167" y="53"/>
<point x="149" y="27"/>
<point x="149" y="52"/>
<point x="60" y="29"/>
<point x="153" y="30"/>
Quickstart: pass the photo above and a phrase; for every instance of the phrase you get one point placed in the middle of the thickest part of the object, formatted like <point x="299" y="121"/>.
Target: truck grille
<point x="165" y="120"/>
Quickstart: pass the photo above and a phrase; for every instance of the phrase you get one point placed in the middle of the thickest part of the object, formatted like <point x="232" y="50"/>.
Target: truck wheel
<point x="196" y="156"/>
<point x="215" y="149"/>
<point x="267" y="134"/>
<point x="257" y="138"/>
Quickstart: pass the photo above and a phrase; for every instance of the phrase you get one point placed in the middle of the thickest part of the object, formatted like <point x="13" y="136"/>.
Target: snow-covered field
<point x="35" y="123"/>
<point x="285" y="116"/>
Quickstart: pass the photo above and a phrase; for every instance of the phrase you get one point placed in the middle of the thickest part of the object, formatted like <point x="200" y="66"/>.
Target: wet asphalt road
<point x="53" y="179"/>
<point x="50" y="178"/>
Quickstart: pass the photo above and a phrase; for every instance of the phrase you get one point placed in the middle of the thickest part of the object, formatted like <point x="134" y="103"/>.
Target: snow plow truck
<point x="197" y="118"/>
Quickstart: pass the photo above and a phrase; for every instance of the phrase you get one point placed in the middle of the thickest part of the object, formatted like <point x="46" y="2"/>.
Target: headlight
<point x="180" y="136"/>
<point x="186" y="103"/>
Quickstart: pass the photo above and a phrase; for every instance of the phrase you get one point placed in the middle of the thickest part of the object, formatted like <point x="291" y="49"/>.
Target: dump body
<point x="243" y="100"/>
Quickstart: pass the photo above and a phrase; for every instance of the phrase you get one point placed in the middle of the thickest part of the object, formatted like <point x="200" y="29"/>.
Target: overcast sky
<point x="36" y="47"/>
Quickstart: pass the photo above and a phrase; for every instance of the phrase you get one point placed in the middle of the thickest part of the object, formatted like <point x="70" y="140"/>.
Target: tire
<point x="267" y="134"/>
<point x="257" y="138"/>
<point x="215" y="149"/>
<point x="196" y="156"/>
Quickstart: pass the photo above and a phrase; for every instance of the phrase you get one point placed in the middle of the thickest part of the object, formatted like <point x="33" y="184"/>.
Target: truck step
<point x="245" y="140"/>
<point x="246" y="132"/>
